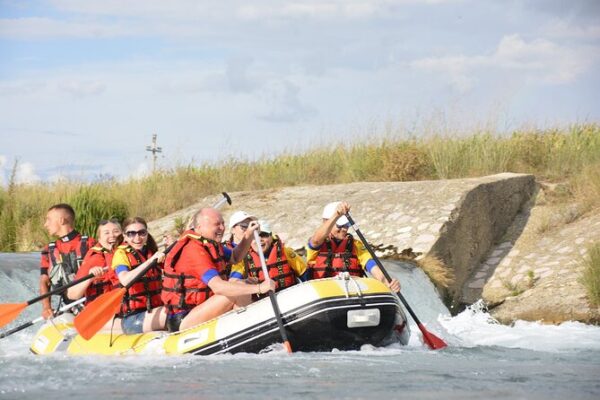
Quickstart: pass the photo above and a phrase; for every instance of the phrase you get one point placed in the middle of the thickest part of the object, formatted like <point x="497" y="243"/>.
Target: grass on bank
<point x="570" y="155"/>
<point x="591" y="273"/>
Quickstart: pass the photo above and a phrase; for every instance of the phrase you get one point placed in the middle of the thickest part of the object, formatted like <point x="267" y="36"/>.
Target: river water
<point x="484" y="360"/>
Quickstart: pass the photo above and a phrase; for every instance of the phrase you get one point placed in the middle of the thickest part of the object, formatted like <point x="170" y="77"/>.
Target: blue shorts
<point x="174" y="320"/>
<point x="133" y="324"/>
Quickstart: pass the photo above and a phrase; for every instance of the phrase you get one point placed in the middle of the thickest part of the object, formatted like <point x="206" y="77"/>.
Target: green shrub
<point x="92" y="204"/>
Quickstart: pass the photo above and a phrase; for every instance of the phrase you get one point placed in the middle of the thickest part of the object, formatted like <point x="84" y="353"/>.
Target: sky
<point x="85" y="84"/>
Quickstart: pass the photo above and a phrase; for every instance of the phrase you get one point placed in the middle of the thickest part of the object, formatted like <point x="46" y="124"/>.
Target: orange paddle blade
<point x="434" y="342"/>
<point x="8" y="312"/>
<point x="287" y="346"/>
<point x="98" y="312"/>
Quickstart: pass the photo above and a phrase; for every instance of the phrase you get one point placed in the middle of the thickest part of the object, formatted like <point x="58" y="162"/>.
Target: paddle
<point x="263" y="265"/>
<point x="96" y="314"/>
<point x="39" y="319"/>
<point x="8" y="312"/>
<point x="434" y="342"/>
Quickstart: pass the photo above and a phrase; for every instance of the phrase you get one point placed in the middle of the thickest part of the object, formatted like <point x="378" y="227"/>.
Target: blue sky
<point x="85" y="84"/>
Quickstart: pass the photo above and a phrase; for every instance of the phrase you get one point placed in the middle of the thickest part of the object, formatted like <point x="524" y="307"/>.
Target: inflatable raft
<point x="320" y="315"/>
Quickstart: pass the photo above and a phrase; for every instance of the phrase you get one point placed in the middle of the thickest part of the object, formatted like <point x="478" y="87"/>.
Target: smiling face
<point x="340" y="232"/>
<point x="238" y="230"/>
<point x="108" y="234"/>
<point x="210" y="224"/>
<point x="136" y="235"/>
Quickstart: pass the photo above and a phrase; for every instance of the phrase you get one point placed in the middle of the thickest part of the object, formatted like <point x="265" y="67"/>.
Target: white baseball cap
<point x="238" y="217"/>
<point x="329" y="211"/>
<point x="264" y="226"/>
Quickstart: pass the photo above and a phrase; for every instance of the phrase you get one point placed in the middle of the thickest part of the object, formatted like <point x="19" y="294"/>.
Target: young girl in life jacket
<point x="142" y="309"/>
<point x="98" y="262"/>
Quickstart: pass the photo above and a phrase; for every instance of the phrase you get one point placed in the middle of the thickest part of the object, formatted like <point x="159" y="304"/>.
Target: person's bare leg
<point x="242" y="301"/>
<point x="211" y="308"/>
<point x="155" y="320"/>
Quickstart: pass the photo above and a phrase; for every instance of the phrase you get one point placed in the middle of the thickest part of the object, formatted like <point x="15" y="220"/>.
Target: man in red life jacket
<point x="195" y="285"/>
<point x="284" y="265"/>
<point x="332" y="250"/>
<point x="61" y="259"/>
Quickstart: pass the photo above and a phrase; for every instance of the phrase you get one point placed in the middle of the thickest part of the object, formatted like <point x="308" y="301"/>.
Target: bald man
<point x="195" y="285"/>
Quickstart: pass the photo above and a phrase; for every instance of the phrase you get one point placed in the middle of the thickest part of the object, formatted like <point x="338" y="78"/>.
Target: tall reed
<point x="570" y="155"/>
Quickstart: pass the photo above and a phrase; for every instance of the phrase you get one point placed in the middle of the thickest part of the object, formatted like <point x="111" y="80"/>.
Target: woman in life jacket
<point x="284" y="266"/>
<point x="98" y="261"/>
<point x="332" y="250"/>
<point x="238" y="223"/>
<point x="142" y="309"/>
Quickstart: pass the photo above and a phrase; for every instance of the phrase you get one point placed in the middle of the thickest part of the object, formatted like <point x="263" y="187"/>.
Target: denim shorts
<point x="174" y="320"/>
<point x="133" y="324"/>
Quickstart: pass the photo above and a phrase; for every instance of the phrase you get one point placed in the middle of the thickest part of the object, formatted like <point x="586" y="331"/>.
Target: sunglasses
<point x="344" y="226"/>
<point x="243" y="226"/>
<point x="140" y="233"/>
<point x="264" y="234"/>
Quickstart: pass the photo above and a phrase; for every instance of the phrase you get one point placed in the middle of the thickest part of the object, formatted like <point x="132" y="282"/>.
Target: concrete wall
<point x="456" y="220"/>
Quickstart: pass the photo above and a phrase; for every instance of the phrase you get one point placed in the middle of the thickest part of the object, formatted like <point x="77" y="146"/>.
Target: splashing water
<point x="484" y="359"/>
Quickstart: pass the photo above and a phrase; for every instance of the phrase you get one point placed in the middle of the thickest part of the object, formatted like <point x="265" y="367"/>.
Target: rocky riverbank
<point x="486" y="231"/>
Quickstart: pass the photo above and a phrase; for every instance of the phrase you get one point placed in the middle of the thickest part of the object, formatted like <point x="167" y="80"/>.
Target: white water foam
<point x="476" y="327"/>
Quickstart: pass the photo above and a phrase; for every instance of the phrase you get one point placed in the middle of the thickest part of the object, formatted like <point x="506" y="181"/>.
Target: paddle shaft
<point x="274" y="304"/>
<point x="40" y="319"/>
<point x="433" y="341"/>
<point x="60" y="289"/>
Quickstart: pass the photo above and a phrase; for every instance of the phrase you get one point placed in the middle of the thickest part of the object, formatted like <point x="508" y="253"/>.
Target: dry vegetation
<point x="570" y="155"/>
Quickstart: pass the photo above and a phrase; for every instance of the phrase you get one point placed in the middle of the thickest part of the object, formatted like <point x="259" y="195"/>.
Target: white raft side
<point x="289" y="299"/>
<point x="239" y="321"/>
<point x="261" y="311"/>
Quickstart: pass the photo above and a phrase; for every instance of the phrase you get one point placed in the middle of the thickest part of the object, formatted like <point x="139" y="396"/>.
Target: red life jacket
<point x="334" y="258"/>
<point x="277" y="266"/>
<point x="144" y="295"/>
<point x="104" y="283"/>
<point x="63" y="265"/>
<point x="183" y="288"/>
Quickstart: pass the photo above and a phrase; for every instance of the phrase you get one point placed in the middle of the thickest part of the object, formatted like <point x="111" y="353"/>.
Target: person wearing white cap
<point x="331" y="249"/>
<point x="284" y="265"/>
<point x="238" y="223"/>
<point x="196" y="284"/>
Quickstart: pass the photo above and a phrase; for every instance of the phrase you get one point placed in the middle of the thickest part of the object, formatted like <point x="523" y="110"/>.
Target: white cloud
<point x="26" y="173"/>
<point x="559" y="28"/>
<point x="21" y="87"/>
<point x="284" y="100"/>
<point x="538" y="60"/>
<point x="47" y="28"/>
<point x="81" y="88"/>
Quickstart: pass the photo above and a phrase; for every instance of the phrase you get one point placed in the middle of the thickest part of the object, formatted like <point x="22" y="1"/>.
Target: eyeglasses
<point x="106" y="221"/>
<point x="140" y="233"/>
<point x="264" y="234"/>
<point x="344" y="226"/>
<point x="243" y="226"/>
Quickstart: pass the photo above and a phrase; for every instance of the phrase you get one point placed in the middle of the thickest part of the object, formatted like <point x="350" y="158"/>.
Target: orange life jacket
<point x="183" y="288"/>
<point x="334" y="258"/>
<point x="104" y="283"/>
<point x="144" y="295"/>
<point x="277" y="266"/>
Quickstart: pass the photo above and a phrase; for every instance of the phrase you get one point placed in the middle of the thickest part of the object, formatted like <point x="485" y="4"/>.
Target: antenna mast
<point x="154" y="149"/>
